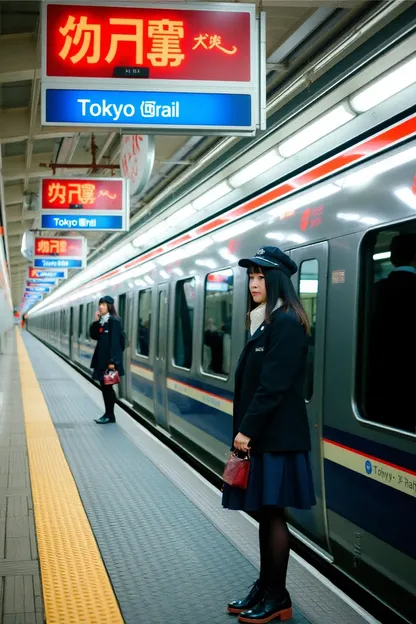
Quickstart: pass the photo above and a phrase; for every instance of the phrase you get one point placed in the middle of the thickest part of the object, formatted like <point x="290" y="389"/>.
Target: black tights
<point x="109" y="399"/>
<point x="274" y="549"/>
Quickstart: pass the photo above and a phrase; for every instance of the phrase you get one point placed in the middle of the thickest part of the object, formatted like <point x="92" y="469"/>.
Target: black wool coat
<point x="110" y="344"/>
<point x="269" y="405"/>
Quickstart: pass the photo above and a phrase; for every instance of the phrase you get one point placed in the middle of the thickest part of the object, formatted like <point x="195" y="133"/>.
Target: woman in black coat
<point x="270" y="421"/>
<point x="108" y="354"/>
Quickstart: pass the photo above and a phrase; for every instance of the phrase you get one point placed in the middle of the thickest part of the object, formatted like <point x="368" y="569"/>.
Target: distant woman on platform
<point x="270" y="422"/>
<point x="108" y="354"/>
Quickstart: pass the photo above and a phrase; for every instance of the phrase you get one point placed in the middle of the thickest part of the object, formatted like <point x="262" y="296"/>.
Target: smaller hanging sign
<point x="38" y="289"/>
<point x="35" y="274"/>
<point x="41" y="282"/>
<point x="63" y="252"/>
<point x="84" y="204"/>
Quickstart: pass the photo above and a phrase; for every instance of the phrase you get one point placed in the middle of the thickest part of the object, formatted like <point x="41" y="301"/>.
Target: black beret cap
<point x="272" y="258"/>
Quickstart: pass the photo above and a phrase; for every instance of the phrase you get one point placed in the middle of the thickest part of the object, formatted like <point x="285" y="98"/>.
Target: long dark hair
<point x="278" y="286"/>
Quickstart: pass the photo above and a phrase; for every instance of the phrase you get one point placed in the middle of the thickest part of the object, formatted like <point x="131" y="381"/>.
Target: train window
<point x="218" y="305"/>
<point x="387" y="340"/>
<point x="80" y="321"/>
<point x="145" y="317"/>
<point x="184" y="322"/>
<point x="89" y="320"/>
<point x="308" y="293"/>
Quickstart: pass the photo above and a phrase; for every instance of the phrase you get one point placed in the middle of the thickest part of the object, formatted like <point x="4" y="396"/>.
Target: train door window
<point x="218" y="305"/>
<point x="81" y="322"/>
<point x="144" y="322"/>
<point x="184" y="322"/>
<point x="387" y="339"/>
<point x="88" y="320"/>
<point x="308" y="293"/>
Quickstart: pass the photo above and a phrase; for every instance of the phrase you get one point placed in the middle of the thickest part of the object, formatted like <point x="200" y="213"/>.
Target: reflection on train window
<point x="80" y="322"/>
<point x="90" y="319"/>
<point x="219" y="289"/>
<point x="145" y="317"/>
<point x="388" y="347"/>
<point x="184" y="322"/>
<point x="308" y="293"/>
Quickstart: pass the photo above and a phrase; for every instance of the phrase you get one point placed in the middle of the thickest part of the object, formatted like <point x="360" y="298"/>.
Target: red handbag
<point x="111" y="377"/>
<point x="237" y="471"/>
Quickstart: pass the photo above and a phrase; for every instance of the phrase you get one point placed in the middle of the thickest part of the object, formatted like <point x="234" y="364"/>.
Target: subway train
<point x="184" y="306"/>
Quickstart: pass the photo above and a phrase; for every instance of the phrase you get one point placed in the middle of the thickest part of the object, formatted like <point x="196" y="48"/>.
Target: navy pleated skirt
<point x="277" y="480"/>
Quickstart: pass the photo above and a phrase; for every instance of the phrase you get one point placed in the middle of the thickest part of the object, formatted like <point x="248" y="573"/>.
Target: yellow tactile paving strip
<point x="76" y="587"/>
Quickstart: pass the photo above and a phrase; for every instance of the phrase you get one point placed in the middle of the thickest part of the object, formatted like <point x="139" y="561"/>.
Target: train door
<point x="311" y="285"/>
<point x="71" y="333"/>
<point x="161" y="352"/>
<point x="125" y="304"/>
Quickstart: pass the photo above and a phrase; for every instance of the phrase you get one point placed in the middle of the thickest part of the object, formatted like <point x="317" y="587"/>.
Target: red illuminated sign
<point x="311" y="218"/>
<point x="59" y="247"/>
<point x="177" y="44"/>
<point x="88" y="193"/>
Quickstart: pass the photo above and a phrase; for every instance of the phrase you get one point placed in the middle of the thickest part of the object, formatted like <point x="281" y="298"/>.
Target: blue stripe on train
<point x="142" y="385"/>
<point x="377" y="508"/>
<point x="217" y="424"/>
<point x="205" y="387"/>
<point x="381" y="451"/>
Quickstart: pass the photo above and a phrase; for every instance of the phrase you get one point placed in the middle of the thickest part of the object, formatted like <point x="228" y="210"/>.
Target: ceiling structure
<point x="297" y="32"/>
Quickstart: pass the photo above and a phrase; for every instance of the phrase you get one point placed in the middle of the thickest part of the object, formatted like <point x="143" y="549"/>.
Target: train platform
<point x="106" y="525"/>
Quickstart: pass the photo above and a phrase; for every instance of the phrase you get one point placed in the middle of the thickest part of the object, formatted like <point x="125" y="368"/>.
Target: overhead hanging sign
<point x="32" y="297"/>
<point x="38" y="289"/>
<point x="64" y="252"/>
<point x="35" y="274"/>
<point x="41" y="282"/>
<point x="84" y="204"/>
<point x="182" y="68"/>
<point x="137" y="156"/>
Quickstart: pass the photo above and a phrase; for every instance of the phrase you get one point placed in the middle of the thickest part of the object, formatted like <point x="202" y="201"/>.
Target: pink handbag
<point x="111" y="377"/>
<point x="237" y="471"/>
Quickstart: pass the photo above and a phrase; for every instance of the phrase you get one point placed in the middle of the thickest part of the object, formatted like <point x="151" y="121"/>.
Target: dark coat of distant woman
<point x="269" y="405"/>
<point x="110" y="344"/>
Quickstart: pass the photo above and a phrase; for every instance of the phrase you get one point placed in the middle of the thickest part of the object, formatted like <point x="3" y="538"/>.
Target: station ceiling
<point x="297" y="31"/>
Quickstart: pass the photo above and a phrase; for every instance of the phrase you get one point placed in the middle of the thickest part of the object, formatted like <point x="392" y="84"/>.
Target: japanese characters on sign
<point x="182" y="69"/>
<point x="87" y="194"/>
<point x="57" y="253"/>
<point x="84" y="204"/>
<point x="137" y="156"/>
<point x="180" y="43"/>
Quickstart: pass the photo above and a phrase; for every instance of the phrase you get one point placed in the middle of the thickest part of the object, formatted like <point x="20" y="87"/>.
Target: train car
<point x="185" y="316"/>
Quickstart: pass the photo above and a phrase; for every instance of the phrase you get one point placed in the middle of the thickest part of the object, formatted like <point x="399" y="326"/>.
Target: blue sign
<point x="55" y="263"/>
<point x="38" y="289"/>
<point x="77" y="222"/>
<point x="148" y="108"/>
<point x="368" y="467"/>
<point x="49" y="275"/>
<point x="42" y="282"/>
<point x="33" y="297"/>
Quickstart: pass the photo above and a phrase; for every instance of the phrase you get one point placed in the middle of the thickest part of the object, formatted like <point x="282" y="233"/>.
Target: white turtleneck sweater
<point x="104" y="318"/>
<point x="258" y="315"/>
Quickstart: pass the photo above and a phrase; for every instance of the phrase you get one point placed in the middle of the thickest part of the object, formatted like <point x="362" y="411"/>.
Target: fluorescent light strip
<point x="257" y="167"/>
<point x="385" y="255"/>
<point x="314" y="131"/>
<point x="212" y="195"/>
<point x="383" y="88"/>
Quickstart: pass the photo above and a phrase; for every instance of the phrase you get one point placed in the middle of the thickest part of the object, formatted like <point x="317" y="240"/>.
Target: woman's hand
<point x="97" y="316"/>
<point x="111" y="367"/>
<point x="241" y="442"/>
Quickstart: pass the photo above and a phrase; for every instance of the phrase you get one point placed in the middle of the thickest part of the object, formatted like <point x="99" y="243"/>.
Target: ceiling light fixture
<point x="255" y="168"/>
